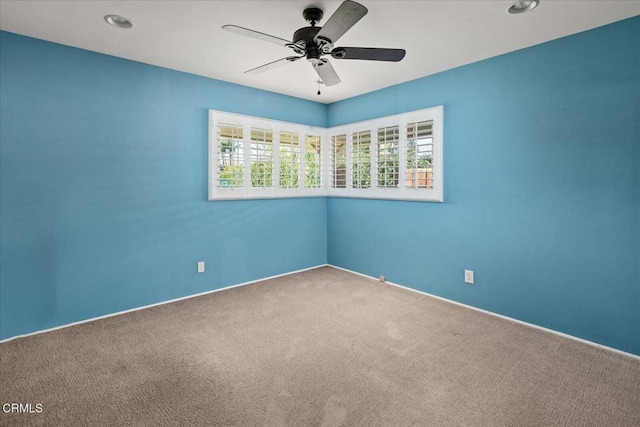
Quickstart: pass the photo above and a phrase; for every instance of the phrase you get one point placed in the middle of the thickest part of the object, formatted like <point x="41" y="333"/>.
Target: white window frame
<point x="247" y="191"/>
<point x="434" y="194"/>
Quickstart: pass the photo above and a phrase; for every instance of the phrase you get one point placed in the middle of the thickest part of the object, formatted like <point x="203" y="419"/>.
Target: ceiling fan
<point x="315" y="42"/>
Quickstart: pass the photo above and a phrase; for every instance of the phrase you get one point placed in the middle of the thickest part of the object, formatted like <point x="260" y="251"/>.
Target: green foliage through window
<point x="313" y="166"/>
<point x="289" y="160"/>
<point x="231" y="156"/>
<point x="261" y="158"/>
<point x="361" y="159"/>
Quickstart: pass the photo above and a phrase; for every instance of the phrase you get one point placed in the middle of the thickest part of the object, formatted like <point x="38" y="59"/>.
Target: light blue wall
<point x="542" y="188"/>
<point x="104" y="188"/>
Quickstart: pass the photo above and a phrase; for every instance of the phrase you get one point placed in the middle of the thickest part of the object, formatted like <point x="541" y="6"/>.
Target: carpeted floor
<point x="318" y="348"/>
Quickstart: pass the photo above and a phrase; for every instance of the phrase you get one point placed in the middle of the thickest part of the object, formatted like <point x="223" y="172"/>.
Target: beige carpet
<point x="318" y="348"/>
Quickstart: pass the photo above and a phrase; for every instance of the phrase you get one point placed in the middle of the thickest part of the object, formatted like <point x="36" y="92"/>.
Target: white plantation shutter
<point x="289" y="160"/>
<point x="261" y="158"/>
<point x="231" y="156"/>
<point x="361" y="159"/>
<point x="339" y="161"/>
<point x="419" y="151"/>
<point x="388" y="157"/>
<point x="313" y="161"/>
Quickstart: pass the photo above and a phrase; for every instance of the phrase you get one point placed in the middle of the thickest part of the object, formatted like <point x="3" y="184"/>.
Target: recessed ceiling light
<point x="522" y="6"/>
<point x="118" y="21"/>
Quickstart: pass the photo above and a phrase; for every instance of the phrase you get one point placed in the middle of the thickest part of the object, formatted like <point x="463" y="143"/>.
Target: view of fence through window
<point x="313" y="165"/>
<point x="289" y="160"/>
<point x="231" y="157"/>
<point x="420" y="155"/>
<point x="261" y="158"/>
<point x="361" y="159"/>
<point x="339" y="161"/>
<point x="388" y="173"/>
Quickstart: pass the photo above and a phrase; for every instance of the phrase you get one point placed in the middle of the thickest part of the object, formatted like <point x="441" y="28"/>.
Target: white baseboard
<point x="157" y="304"/>
<point x="531" y="325"/>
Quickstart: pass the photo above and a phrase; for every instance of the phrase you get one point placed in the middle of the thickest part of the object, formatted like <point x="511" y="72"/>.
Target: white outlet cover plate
<point x="201" y="267"/>
<point x="468" y="276"/>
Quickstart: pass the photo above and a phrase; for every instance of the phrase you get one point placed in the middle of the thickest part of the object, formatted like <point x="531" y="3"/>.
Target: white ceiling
<point x="187" y="36"/>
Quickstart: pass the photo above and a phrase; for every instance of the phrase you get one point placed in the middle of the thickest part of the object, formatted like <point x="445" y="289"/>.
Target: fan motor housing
<point x="305" y="36"/>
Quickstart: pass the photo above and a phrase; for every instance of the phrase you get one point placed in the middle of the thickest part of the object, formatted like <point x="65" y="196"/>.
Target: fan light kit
<point x="118" y="21"/>
<point x="314" y="42"/>
<point x="522" y="6"/>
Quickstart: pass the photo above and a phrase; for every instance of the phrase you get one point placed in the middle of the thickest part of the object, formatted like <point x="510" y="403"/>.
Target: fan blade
<point x="256" y="34"/>
<point x="344" y="18"/>
<point x="326" y="72"/>
<point x="273" y="64"/>
<point x="368" y="53"/>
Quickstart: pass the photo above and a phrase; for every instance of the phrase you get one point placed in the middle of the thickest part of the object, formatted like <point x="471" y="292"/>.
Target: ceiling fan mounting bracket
<point x="312" y="15"/>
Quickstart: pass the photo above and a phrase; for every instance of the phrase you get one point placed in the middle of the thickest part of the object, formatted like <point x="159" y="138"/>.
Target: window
<point x="361" y="159"/>
<point x="395" y="157"/>
<point x="230" y="156"/>
<point x="339" y="161"/>
<point x="313" y="162"/>
<point x="420" y="154"/>
<point x="289" y="160"/>
<point x="281" y="160"/>
<point x="261" y="158"/>
<point x="388" y="164"/>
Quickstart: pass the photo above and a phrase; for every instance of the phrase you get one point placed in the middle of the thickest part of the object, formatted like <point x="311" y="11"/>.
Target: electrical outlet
<point x="383" y="279"/>
<point x="468" y="276"/>
<point x="200" y="266"/>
